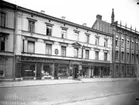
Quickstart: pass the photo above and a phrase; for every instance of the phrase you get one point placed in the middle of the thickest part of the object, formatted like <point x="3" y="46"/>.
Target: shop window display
<point x="28" y="70"/>
<point x="47" y="72"/>
<point x="63" y="71"/>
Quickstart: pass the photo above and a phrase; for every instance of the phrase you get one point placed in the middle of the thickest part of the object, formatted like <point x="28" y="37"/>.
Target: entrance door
<point x="75" y="71"/>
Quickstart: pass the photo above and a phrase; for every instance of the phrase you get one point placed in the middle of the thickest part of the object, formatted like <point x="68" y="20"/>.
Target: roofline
<point x="7" y="5"/>
<point x="19" y="8"/>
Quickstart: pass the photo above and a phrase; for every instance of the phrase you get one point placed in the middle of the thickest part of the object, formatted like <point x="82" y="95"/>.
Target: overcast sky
<point x="85" y="11"/>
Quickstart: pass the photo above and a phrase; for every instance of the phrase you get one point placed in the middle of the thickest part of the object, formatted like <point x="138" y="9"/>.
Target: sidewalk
<point x="64" y="81"/>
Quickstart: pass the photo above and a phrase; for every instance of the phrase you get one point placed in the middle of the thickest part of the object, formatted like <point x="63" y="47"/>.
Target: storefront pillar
<point x="53" y="69"/>
<point x="92" y="72"/>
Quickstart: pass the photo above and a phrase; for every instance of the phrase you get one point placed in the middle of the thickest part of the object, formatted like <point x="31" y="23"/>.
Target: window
<point x="122" y="54"/>
<point x="96" y="55"/>
<point x="127" y="43"/>
<point x="23" y="42"/>
<point x="75" y="52"/>
<point x="31" y="47"/>
<point x="87" y="54"/>
<point x="76" y="36"/>
<point x="31" y="26"/>
<point x="116" y="55"/>
<point x="2" y="19"/>
<point x="116" y="42"/>
<point x="137" y="59"/>
<point x="122" y="42"/>
<point x="49" y="30"/>
<point x="49" y="49"/>
<point x="63" y="50"/>
<point x="132" y="57"/>
<point x="132" y="46"/>
<point x="2" y="43"/>
<point x="97" y="41"/>
<point x="63" y="33"/>
<point x="105" y="42"/>
<point x="87" y="38"/>
<point x="105" y="56"/>
<point x="137" y="46"/>
<point x="127" y="56"/>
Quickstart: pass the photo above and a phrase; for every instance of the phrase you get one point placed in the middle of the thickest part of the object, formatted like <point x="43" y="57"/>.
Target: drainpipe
<point x="14" y="41"/>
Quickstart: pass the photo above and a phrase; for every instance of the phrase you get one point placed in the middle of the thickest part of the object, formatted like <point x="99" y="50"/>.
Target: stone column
<point x="53" y="69"/>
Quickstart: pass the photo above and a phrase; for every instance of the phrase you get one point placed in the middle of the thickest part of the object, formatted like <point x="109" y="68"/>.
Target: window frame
<point x="63" y="48"/>
<point x="33" y="42"/>
<point x="49" y="46"/>
<point x="96" y="55"/>
<point x="76" y="56"/>
<point x="87" y="54"/>
<point x="3" y="20"/>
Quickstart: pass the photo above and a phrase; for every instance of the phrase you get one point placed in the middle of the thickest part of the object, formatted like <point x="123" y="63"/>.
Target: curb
<point x="58" y="82"/>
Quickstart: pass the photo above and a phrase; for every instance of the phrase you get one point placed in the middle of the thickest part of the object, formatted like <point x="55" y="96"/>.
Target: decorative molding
<point x="31" y="19"/>
<point x="87" y="33"/>
<point x="49" y="24"/>
<point x="96" y="49"/>
<point x="64" y="28"/>
<point x="63" y="44"/>
<point x="76" y="31"/>
<point x="49" y="41"/>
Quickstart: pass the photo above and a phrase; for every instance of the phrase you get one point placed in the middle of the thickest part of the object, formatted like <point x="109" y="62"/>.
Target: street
<point x="91" y="93"/>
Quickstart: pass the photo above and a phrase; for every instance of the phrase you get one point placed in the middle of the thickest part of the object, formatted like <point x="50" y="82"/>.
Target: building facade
<point x="47" y="47"/>
<point x="125" y="47"/>
<point x="7" y="38"/>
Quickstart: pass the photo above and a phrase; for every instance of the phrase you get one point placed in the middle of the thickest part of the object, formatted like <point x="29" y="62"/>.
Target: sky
<point x="85" y="11"/>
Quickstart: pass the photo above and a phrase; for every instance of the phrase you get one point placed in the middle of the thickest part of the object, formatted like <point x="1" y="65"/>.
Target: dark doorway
<point x="75" y="76"/>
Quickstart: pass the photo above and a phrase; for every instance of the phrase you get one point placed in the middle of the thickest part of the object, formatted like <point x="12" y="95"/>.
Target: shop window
<point x="76" y="52"/>
<point x="2" y="43"/>
<point x="47" y="71"/>
<point x="64" y="34"/>
<point x="31" y="47"/>
<point x="97" y="40"/>
<point x="87" y="54"/>
<point x="28" y="70"/>
<point x="105" y="42"/>
<point x="63" y="71"/>
<point x="2" y="66"/>
<point x="63" y="50"/>
<point x="96" y="55"/>
<point x="116" y="55"/>
<point x="2" y="19"/>
<point x="49" y="30"/>
<point x="49" y="49"/>
<point x="105" y="56"/>
<point x="31" y="26"/>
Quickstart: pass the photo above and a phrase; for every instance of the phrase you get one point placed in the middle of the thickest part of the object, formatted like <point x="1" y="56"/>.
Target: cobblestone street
<point x="64" y="93"/>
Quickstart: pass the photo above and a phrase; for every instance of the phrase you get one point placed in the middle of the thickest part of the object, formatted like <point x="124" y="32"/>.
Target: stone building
<point x="47" y="47"/>
<point x="125" y="53"/>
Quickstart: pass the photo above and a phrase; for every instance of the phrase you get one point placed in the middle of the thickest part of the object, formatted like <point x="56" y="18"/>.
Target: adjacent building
<point x="125" y="55"/>
<point x="47" y="47"/>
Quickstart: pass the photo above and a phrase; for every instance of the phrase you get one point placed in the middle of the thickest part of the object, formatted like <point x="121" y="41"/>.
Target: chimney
<point x="84" y="24"/>
<point x="63" y="17"/>
<point x="42" y="11"/>
<point x="99" y="17"/>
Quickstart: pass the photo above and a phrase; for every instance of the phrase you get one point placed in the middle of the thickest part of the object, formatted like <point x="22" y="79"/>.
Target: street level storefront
<point x="44" y="68"/>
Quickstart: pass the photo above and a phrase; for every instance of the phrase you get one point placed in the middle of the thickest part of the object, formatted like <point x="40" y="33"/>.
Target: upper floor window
<point x="122" y="43"/>
<point x="48" y="49"/>
<point x="128" y="57"/>
<point x="2" y="43"/>
<point x="63" y="50"/>
<point x="105" y="56"/>
<point x="96" y="55"/>
<point x="137" y="45"/>
<point x="122" y="54"/>
<point x="97" y="40"/>
<point x="137" y="58"/>
<point x="127" y="44"/>
<point x="87" y="54"/>
<point x="116" y="55"/>
<point x="2" y="19"/>
<point x="76" y="35"/>
<point x="87" y="35"/>
<point x="132" y="46"/>
<point x="64" y="33"/>
<point x="132" y="57"/>
<point x="116" y="42"/>
<point x="31" y="47"/>
<point x="49" y="30"/>
<point x="75" y="52"/>
<point x="105" y="42"/>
